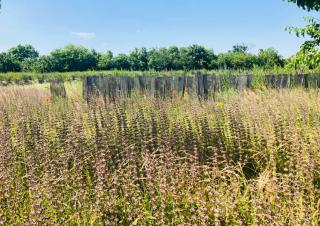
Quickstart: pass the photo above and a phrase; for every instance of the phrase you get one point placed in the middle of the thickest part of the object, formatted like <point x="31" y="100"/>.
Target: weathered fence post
<point x="58" y="89"/>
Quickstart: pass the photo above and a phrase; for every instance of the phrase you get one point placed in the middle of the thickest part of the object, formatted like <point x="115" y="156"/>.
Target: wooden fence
<point x="200" y="86"/>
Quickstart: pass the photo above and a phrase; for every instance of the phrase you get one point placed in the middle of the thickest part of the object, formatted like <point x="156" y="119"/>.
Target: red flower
<point x="48" y="99"/>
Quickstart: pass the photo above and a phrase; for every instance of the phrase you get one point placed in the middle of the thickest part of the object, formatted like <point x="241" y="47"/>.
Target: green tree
<point x="28" y="65"/>
<point x="138" y="59"/>
<point x="41" y="64"/>
<point x="74" y="58"/>
<point x="174" y="58"/>
<point x="105" y="62"/>
<point x="195" y="57"/>
<point x="309" y="54"/>
<point x="237" y="58"/>
<point x="307" y="4"/>
<point x="159" y="59"/>
<point x="240" y="48"/>
<point x="8" y="63"/>
<point x="213" y="58"/>
<point x="121" y="62"/>
<point x="23" y="52"/>
<point x="270" y="58"/>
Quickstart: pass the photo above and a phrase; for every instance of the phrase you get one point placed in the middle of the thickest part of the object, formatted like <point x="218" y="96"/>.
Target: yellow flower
<point x="219" y="104"/>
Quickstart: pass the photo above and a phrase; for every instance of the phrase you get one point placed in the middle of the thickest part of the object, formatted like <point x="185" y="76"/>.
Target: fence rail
<point x="201" y="86"/>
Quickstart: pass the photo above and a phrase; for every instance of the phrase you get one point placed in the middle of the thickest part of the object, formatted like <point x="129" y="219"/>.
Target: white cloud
<point x="84" y="35"/>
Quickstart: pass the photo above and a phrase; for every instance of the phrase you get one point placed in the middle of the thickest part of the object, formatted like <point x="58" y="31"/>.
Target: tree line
<point x="77" y="58"/>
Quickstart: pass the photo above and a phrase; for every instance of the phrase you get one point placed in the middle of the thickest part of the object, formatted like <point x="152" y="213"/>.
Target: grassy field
<point x="246" y="159"/>
<point x="30" y="77"/>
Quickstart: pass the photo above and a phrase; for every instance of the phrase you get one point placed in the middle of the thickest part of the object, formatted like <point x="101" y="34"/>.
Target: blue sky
<point x="121" y="25"/>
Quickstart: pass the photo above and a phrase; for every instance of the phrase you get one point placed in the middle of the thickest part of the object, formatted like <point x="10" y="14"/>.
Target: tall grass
<point x="246" y="159"/>
<point x="31" y="77"/>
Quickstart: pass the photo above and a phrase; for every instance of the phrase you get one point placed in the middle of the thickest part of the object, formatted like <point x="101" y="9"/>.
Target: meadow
<point x="174" y="135"/>
<point x="242" y="158"/>
<point x="34" y="77"/>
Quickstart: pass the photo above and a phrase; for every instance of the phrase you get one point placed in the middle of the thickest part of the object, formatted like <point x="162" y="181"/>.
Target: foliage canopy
<point x="307" y="4"/>
<point x="77" y="58"/>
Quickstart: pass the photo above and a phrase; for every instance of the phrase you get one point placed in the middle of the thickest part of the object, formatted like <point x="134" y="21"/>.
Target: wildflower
<point x="219" y="104"/>
<point x="48" y="100"/>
